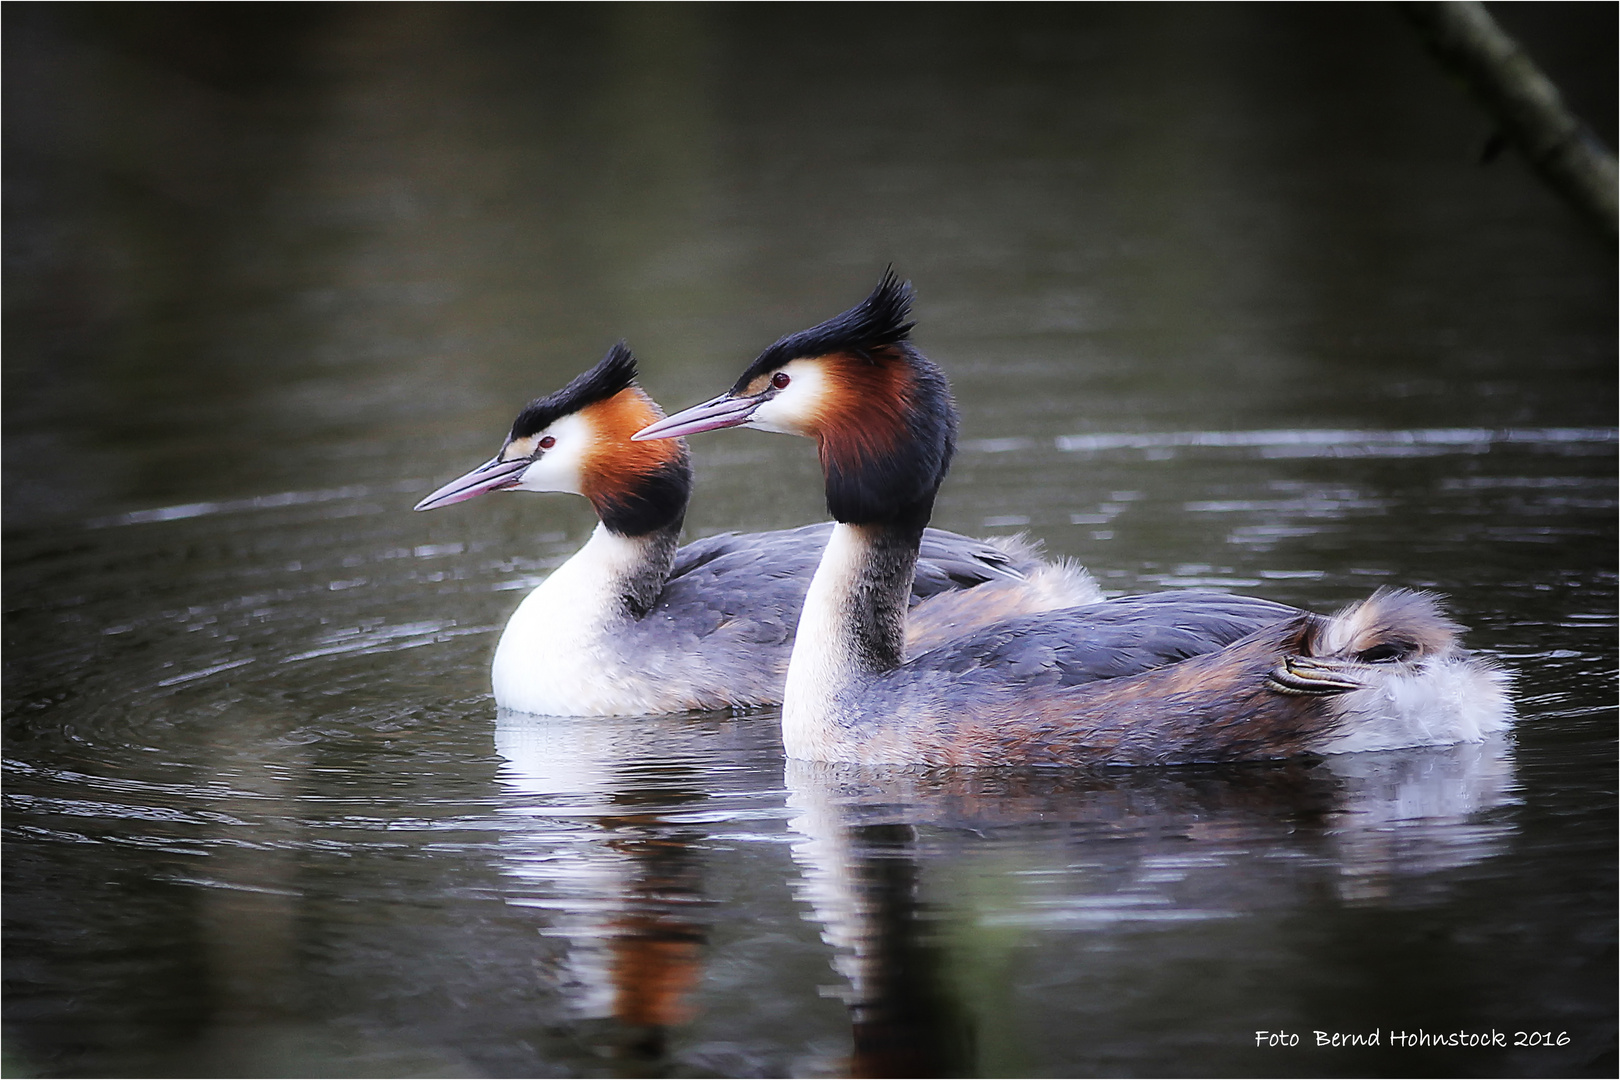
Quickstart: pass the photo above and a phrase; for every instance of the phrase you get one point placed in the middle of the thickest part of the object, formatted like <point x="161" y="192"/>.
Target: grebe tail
<point x="1163" y="679"/>
<point x="632" y="624"/>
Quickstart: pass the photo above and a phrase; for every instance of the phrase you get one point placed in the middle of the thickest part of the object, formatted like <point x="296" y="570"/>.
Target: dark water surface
<point x="1226" y="300"/>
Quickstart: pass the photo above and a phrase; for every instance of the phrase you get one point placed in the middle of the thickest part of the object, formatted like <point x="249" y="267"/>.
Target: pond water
<point x="1226" y="299"/>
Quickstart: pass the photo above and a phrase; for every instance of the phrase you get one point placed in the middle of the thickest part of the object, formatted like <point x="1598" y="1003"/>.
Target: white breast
<point x="556" y="656"/>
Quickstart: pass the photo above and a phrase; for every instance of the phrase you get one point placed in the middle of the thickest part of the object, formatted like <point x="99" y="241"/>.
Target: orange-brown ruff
<point x="863" y="415"/>
<point x="614" y="466"/>
<point x="1145" y="680"/>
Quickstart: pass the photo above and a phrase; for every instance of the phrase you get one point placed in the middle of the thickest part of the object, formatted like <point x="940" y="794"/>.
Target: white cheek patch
<point x="796" y="407"/>
<point x="561" y="468"/>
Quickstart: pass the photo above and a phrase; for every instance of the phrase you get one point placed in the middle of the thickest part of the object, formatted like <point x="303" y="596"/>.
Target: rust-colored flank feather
<point x="1213" y="707"/>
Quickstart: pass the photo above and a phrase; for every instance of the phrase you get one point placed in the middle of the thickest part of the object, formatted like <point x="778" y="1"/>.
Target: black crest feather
<point x="614" y="372"/>
<point x="882" y="320"/>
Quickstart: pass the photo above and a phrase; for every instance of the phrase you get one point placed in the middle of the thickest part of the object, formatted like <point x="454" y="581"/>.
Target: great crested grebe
<point x="630" y="625"/>
<point x="1160" y="679"/>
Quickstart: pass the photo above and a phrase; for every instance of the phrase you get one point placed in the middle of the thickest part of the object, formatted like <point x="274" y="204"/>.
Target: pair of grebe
<point x="983" y="657"/>
<point x="632" y="625"/>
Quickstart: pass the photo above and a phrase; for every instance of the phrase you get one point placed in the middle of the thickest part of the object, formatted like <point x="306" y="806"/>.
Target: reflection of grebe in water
<point x="632" y="626"/>
<point x="1163" y="679"/>
<point x="1072" y="852"/>
<point x="624" y="886"/>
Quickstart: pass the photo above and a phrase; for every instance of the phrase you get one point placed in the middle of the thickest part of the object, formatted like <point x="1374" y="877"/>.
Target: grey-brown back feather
<point x="723" y="626"/>
<point x="1107" y="640"/>
<point x="731" y="568"/>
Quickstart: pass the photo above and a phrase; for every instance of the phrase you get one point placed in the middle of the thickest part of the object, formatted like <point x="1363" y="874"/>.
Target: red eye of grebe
<point x="780" y="379"/>
<point x="548" y="442"/>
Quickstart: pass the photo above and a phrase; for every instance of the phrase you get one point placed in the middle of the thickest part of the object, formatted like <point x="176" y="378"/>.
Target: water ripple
<point x="259" y="502"/>
<point x="1311" y="442"/>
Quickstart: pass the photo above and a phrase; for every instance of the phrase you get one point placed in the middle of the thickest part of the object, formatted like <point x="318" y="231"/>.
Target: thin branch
<point x="1524" y="102"/>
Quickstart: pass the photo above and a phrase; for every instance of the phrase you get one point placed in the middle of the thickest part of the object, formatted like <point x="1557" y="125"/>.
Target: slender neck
<point x="854" y="617"/>
<point x="641" y="524"/>
<point x="872" y="614"/>
<point x="632" y="569"/>
<point x="639" y="580"/>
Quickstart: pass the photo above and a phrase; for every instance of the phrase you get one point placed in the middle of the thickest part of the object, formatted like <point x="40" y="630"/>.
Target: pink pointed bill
<point x="490" y="476"/>
<point x="722" y="412"/>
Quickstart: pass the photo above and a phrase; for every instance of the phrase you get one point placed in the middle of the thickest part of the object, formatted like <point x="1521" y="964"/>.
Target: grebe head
<point x="578" y="440"/>
<point x="880" y="412"/>
<point x="1392" y="633"/>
